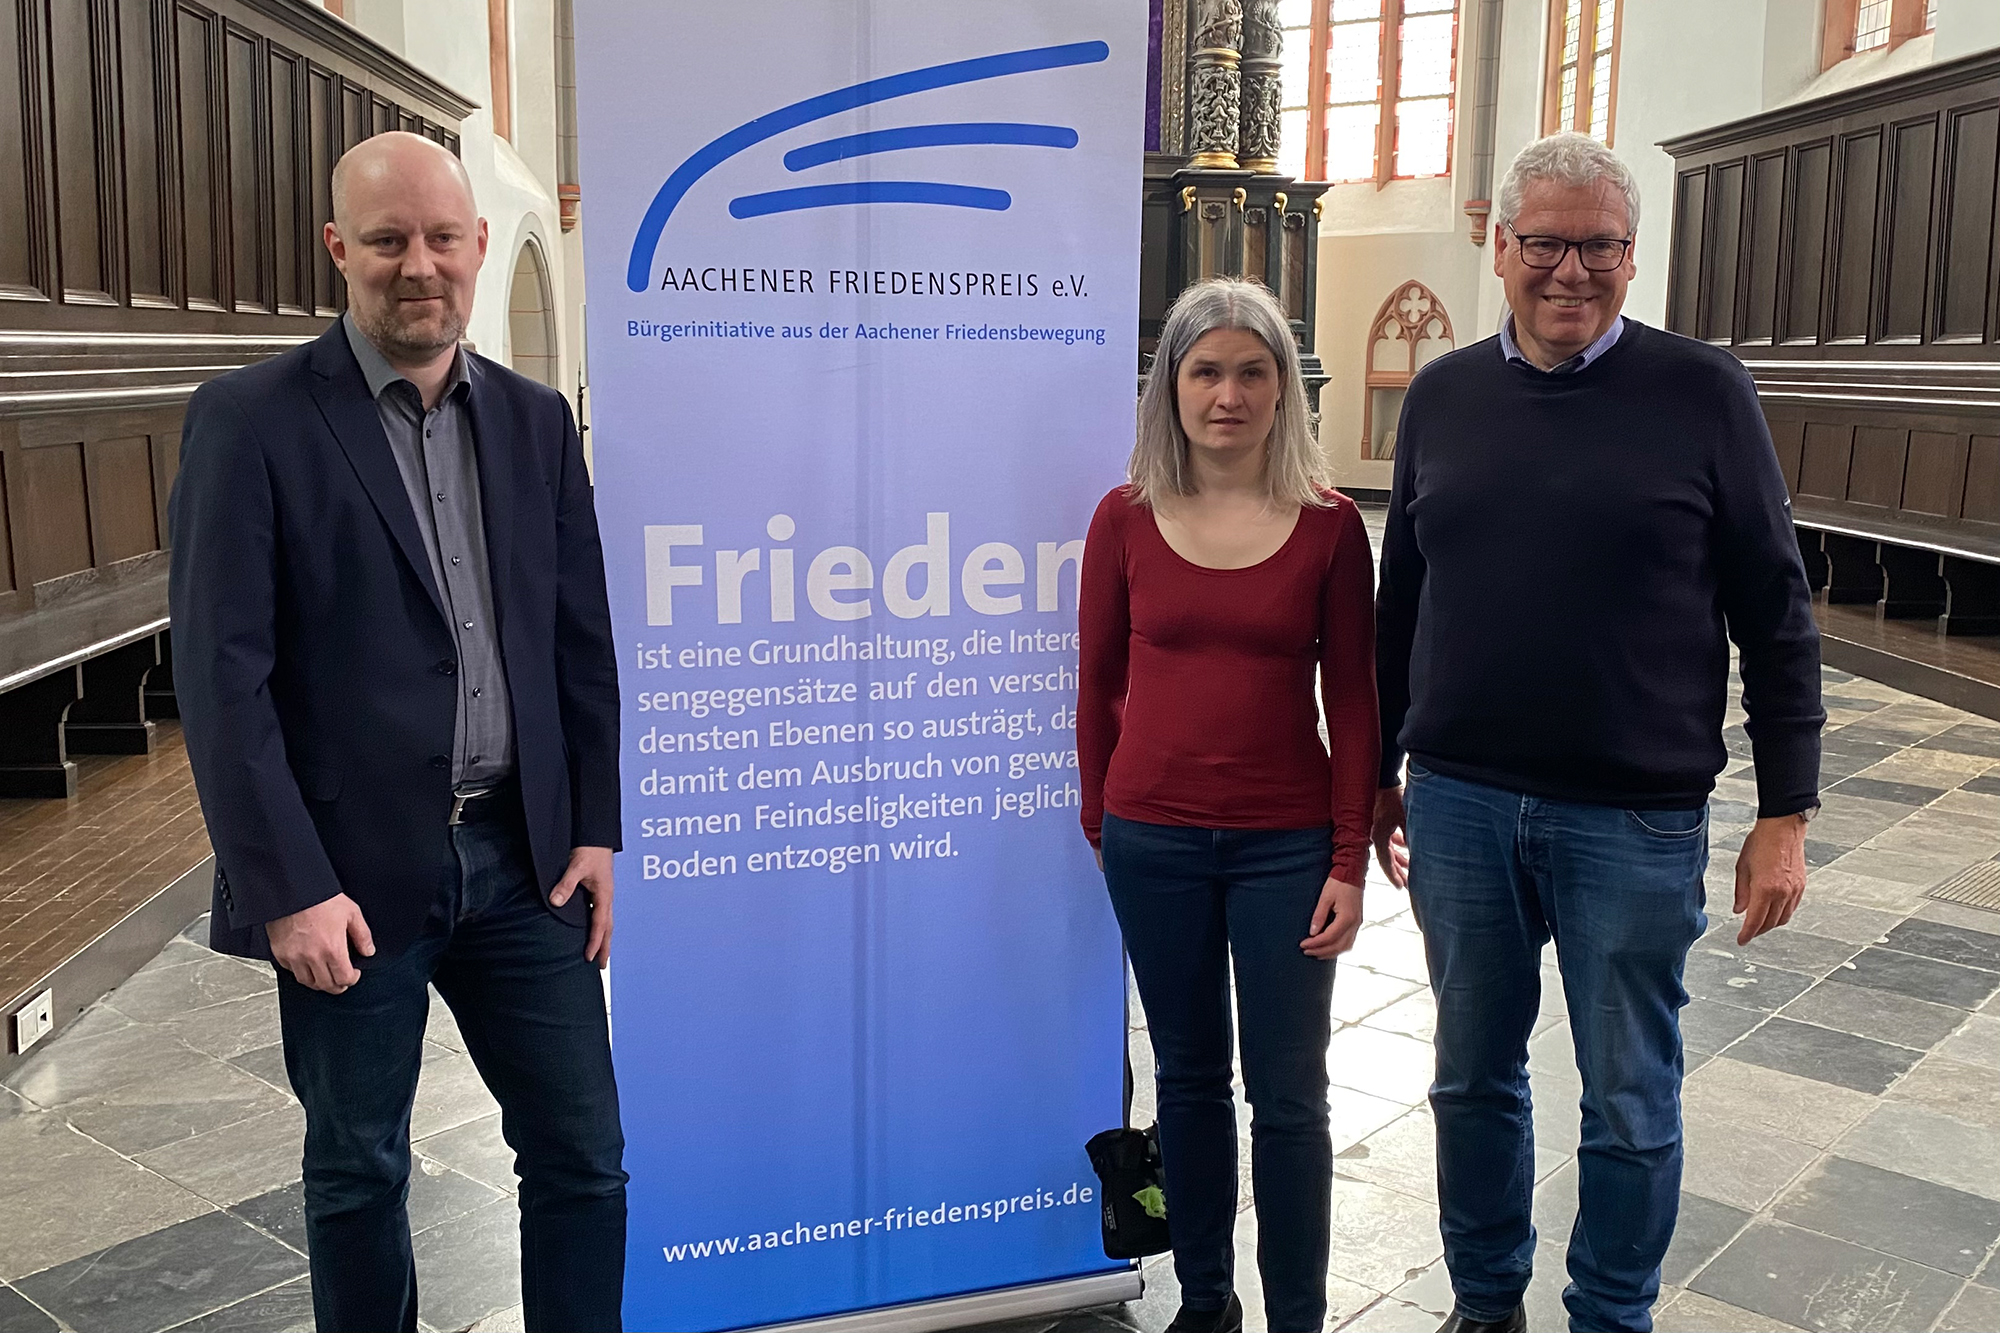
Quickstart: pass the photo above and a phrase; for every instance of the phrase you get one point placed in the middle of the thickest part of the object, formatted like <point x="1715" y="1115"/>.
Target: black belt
<point x="481" y="804"/>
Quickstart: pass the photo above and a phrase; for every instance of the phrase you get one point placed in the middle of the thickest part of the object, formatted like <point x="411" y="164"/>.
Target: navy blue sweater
<point x="1566" y="560"/>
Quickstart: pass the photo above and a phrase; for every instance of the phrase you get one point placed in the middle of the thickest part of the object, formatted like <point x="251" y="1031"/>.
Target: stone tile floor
<point x="1843" y="1124"/>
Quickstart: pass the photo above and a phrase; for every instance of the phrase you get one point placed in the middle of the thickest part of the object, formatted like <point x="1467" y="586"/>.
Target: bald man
<point x="394" y="664"/>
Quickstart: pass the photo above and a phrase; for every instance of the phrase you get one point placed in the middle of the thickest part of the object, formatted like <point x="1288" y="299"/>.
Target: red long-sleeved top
<point x="1195" y="695"/>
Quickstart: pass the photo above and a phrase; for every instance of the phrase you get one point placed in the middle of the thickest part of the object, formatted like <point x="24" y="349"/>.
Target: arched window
<point x="1581" y="92"/>
<point x="1368" y="88"/>
<point x="1410" y="331"/>
<point x="1853" y="26"/>
<point x="531" y="317"/>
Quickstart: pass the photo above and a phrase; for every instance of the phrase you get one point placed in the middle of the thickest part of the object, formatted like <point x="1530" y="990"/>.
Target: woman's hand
<point x="1335" y="921"/>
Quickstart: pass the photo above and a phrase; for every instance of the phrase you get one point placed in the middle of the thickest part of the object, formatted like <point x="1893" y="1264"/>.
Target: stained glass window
<point x="1423" y="88"/>
<point x="1871" y="25"/>
<point x="1384" y="65"/>
<point x="1295" y="114"/>
<point x="1353" y="114"/>
<point x="1583" y="67"/>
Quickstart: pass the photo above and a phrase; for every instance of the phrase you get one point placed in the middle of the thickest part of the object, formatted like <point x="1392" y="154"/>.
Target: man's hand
<point x="1770" y="875"/>
<point x="590" y="870"/>
<point x="1335" y="921"/>
<point x="1392" y="848"/>
<point x="313" y="945"/>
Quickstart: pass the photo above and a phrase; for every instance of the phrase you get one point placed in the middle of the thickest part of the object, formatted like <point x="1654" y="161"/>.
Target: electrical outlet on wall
<point x="33" y="1020"/>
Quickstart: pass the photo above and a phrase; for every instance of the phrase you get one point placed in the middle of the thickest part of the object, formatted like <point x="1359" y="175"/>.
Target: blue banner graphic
<point x="863" y="282"/>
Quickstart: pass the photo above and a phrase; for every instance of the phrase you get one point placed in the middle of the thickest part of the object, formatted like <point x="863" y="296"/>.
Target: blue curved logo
<point x="645" y="245"/>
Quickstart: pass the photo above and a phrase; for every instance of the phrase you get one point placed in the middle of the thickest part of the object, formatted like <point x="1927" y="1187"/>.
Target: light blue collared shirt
<point x="1512" y="350"/>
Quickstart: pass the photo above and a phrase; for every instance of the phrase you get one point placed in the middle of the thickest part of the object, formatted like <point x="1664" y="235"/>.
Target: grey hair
<point x="1571" y="159"/>
<point x="1294" y="467"/>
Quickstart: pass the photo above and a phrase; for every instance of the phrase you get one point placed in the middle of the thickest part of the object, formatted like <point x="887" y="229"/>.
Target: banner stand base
<point x="979" y="1307"/>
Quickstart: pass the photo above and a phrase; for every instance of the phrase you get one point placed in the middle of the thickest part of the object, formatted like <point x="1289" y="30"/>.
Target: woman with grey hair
<point x="1216" y="585"/>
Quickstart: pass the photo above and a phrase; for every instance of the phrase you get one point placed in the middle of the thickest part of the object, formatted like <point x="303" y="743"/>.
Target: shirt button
<point x="454" y="560"/>
<point x="468" y="624"/>
<point x="447" y="667"/>
<point x="473" y="760"/>
<point x="476" y="691"/>
<point x="440" y="497"/>
<point x="439" y="761"/>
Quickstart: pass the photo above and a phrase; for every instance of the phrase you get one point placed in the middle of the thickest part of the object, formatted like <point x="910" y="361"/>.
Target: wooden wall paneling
<point x="1684" y="282"/>
<point x="1934" y="480"/>
<point x="203" y="171"/>
<point x="159" y="156"/>
<point x="1908" y="202"/>
<point x="124" y="520"/>
<point x="164" y="446"/>
<point x="1806" y="233"/>
<point x="1828" y="450"/>
<point x="1721" y="273"/>
<point x="1965" y="247"/>
<point x="26" y="262"/>
<point x="143" y="166"/>
<point x="1763" y="245"/>
<point x="322" y="150"/>
<point x="54" y="511"/>
<point x="1788" y="437"/>
<point x="1875" y="475"/>
<point x="1858" y="189"/>
<point x="9" y="584"/>
<point x="353" y="114"/>
<point x="84" y="109"/>
<point x="1982" y="480"/>
<point x="291" y="159"/>
<point x="246" y="107"/>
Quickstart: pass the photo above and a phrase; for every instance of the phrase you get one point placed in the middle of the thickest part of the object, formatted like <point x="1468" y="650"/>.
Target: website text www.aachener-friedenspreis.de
<point x="891" y="1221"/>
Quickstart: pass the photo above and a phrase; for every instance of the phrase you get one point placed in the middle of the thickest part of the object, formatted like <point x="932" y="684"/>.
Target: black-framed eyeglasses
<point x="1600" y="254"/>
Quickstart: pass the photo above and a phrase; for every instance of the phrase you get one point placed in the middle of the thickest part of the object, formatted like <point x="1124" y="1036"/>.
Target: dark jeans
<point x="1188" y="900"/>
<point x="531" y="1009"/>
<point x="1495" y="875"/>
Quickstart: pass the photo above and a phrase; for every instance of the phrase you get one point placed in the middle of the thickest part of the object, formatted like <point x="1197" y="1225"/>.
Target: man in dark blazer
<point x="394" y="662"/>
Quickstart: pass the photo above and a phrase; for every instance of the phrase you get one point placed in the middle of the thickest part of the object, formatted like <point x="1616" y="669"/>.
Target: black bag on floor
<point x="1127" y="1162"/>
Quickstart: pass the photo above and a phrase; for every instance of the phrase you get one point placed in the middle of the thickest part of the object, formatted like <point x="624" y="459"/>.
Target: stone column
<point x="1262" y="93"/>
<point x="1215" y="97"/>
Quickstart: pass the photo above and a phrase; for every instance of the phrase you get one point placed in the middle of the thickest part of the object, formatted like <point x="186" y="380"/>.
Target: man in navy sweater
<point x="1586" y="511"/>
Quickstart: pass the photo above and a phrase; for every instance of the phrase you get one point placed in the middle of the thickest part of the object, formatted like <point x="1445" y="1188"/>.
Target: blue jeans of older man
<point x="530" y="1008"/>
<point x="1494" y="876"/>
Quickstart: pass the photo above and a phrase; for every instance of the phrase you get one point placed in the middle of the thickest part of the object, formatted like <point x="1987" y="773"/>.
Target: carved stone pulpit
<point x="1214" y="200"/>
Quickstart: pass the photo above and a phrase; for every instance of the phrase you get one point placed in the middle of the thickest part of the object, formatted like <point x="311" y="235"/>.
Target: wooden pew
<point x="1846" y="249"/>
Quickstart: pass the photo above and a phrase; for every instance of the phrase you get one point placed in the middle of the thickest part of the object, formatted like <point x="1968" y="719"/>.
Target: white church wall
<point x="1967" y="26"/>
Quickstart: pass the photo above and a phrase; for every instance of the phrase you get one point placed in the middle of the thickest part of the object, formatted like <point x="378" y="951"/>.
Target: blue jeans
<point x="1187" y="900"/>
<point x="1494" y="876"/>
<point x="531" y="1009"/>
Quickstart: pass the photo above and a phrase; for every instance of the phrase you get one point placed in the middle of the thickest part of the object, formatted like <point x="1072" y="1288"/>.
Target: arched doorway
<point x="531" y="317"/>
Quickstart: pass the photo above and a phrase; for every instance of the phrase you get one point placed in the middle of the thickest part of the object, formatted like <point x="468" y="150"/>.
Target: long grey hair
<point x="1294" y="468"/>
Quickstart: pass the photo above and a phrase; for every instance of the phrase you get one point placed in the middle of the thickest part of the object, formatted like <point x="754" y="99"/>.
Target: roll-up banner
<point x="863" y="289"/>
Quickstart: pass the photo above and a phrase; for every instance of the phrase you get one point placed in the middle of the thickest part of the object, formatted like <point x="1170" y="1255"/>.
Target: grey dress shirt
<point x="434" y="454"/>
